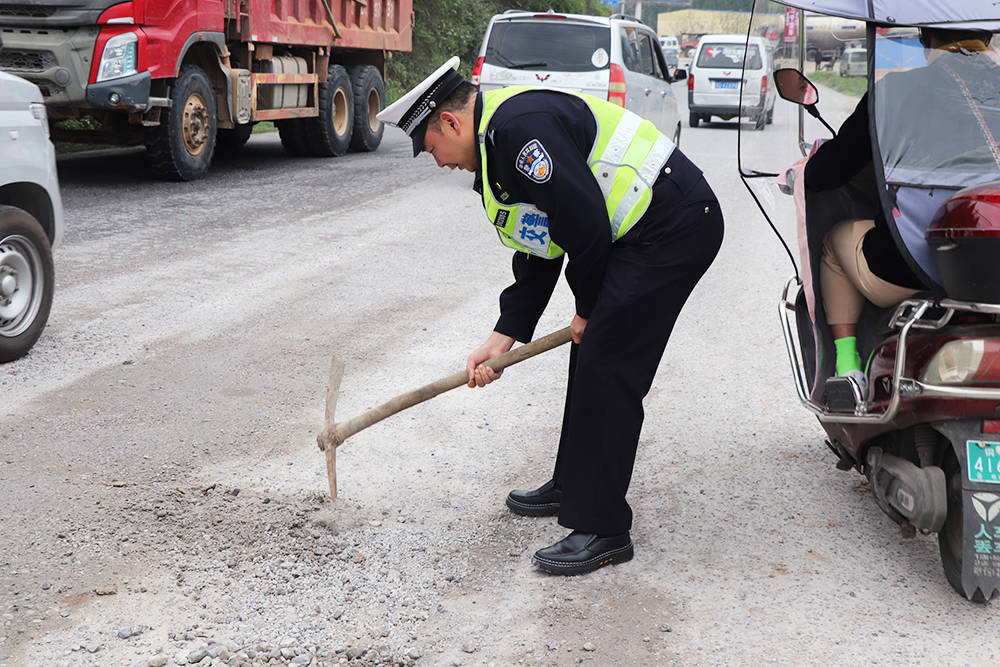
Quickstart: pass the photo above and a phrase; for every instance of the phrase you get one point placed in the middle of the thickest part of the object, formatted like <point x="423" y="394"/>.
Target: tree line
<point x="445" y="28"/>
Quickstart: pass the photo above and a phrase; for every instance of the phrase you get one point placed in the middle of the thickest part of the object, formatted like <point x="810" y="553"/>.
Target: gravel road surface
<point x="164" y="502"/>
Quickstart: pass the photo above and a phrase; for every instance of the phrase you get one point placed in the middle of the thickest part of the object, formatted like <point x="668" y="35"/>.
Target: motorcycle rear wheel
<point x="951" y="538"/>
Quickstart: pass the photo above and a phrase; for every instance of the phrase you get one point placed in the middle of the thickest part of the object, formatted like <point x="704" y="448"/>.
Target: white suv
<point x="615" y="58"/>
<point x="717" y="74"/>
<point x="31" y="216"/>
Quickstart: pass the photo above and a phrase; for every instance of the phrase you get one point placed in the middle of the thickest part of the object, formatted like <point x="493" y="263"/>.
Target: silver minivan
<point x="718" y="82"/>
<point x="853" y="62"/>
<point x="614" y="58"/>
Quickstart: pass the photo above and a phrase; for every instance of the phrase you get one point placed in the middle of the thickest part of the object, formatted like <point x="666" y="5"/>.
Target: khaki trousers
<point x="845" y="279"/>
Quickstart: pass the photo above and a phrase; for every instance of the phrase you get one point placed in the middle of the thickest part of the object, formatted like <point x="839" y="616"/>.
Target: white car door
<point x="662" y="99"/>
<point x="647" y="91"/>
<point x="635" y="88"/>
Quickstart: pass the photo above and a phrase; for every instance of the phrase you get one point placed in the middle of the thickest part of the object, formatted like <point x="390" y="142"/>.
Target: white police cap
<point x="409" y="113"/>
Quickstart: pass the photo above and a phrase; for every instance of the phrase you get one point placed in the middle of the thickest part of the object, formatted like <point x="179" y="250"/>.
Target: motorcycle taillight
<point x="965" y="361"/>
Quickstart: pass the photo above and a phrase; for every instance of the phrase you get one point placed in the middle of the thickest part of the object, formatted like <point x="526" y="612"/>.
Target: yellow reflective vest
<point x="625" y="159"/>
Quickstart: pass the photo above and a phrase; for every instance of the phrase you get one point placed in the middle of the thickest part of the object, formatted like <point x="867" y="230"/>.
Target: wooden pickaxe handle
<point x="334" y="434"/>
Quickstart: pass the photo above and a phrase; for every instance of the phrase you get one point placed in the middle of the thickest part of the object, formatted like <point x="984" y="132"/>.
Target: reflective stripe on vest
<point x="626" y="158"/>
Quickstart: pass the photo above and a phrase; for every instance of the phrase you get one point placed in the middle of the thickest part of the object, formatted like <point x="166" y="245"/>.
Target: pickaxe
<point x="334" y="434"/>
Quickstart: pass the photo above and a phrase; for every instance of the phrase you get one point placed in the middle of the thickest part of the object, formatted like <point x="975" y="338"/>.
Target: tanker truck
<point x="189" y="77"/>
<point x="828" y="36"/>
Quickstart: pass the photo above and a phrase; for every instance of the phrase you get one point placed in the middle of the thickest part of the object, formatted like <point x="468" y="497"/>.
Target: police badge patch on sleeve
<point x="534" y="162"/>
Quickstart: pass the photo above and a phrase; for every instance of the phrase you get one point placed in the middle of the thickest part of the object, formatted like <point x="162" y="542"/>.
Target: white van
<point x="669" y="42"/>
<point x="853" y="62"/>
<point x="716" y="77"/>
<point x="614" y="58"/>
<point x="31" y="216"/>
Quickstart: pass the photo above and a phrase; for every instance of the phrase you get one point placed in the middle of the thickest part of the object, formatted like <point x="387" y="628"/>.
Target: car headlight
<point x="120" y="57"/>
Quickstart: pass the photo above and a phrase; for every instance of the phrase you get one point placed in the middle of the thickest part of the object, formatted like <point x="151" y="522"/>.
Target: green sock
<point x="848" y="358"/>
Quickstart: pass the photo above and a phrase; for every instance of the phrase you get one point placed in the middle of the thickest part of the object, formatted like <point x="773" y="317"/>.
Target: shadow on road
<point x="127" y="166"/>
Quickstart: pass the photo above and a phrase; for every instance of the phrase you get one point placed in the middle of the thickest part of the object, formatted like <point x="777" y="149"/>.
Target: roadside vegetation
<point x="854" y="86"/>
<point x="446" y="28"/>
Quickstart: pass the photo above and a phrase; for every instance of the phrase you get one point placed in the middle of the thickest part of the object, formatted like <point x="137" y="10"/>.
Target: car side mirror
<point x="680" y="75"/>
<point x="793" y="86"/>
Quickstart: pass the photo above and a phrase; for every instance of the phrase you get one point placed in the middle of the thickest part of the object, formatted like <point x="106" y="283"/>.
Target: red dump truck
<point x="188" y="77"/>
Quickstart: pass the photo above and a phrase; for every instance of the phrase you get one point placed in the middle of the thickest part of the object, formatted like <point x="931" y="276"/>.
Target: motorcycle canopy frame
<point x="963" y="14"/>
<point x="970" y="569"/>
<point x="934" y="115"/>
<point x="903" y="202"/>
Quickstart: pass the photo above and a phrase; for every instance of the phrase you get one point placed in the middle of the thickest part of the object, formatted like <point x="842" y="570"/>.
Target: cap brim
<point x="417" y="137"/>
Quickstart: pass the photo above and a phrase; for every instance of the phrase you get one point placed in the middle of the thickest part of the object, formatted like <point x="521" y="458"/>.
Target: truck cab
<point x="183" y="76"/>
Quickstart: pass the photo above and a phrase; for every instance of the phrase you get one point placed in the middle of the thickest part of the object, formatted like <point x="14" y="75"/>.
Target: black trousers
<point x="650" y="275"/>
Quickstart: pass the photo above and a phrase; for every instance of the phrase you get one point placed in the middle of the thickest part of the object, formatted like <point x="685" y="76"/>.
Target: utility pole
<point x="622" y="8"/>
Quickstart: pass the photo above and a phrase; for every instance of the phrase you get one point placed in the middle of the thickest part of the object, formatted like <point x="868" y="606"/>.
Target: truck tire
<point x="693" y="119"/>
<point x="369" y="98"/>
<point x="329" y="134"/>
<point x="180" y="148"/>
<point x="233" y="140"/>
<point x="27" y="278"/>
<point x="292" y="133"/>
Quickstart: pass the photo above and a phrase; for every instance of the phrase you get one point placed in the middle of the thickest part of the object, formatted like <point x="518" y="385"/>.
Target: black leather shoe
<point x="579" y="553"/>
<point x="543" y="501"/>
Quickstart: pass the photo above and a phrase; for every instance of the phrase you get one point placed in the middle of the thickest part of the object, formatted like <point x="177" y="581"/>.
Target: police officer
<point x="566" y="175"/>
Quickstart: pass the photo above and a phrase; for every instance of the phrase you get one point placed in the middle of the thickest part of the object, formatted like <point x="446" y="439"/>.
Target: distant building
<point x="701" y="22"/>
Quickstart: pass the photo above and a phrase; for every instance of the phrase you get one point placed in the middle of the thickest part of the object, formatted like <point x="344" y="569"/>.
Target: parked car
<point x="717" y="75"/>
<point x="853" y="62"/>
<point x="614" y="58"/>
<point x="31" y="216"/>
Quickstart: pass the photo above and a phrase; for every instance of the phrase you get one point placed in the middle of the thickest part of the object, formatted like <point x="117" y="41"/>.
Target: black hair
<point x="456" y="101"/>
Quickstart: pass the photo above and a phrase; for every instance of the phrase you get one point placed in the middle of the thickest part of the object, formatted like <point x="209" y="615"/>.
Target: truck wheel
<point x="369" y="97"/>
<point x="292" y="133"/>
<point x="233" y="140"/>
<point x="329" y="135"/>
<point x="180" y="148"/>
<point x="26" y="281"/>
<point x="693" y="119"/>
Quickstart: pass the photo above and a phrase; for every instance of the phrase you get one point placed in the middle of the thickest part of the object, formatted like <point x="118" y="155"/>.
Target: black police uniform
<point x="631" y="292"/>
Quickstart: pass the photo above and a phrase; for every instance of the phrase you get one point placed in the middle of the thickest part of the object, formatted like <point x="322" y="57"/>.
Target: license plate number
<point x="727" y="85"/>
<point x="984" y="461"/>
